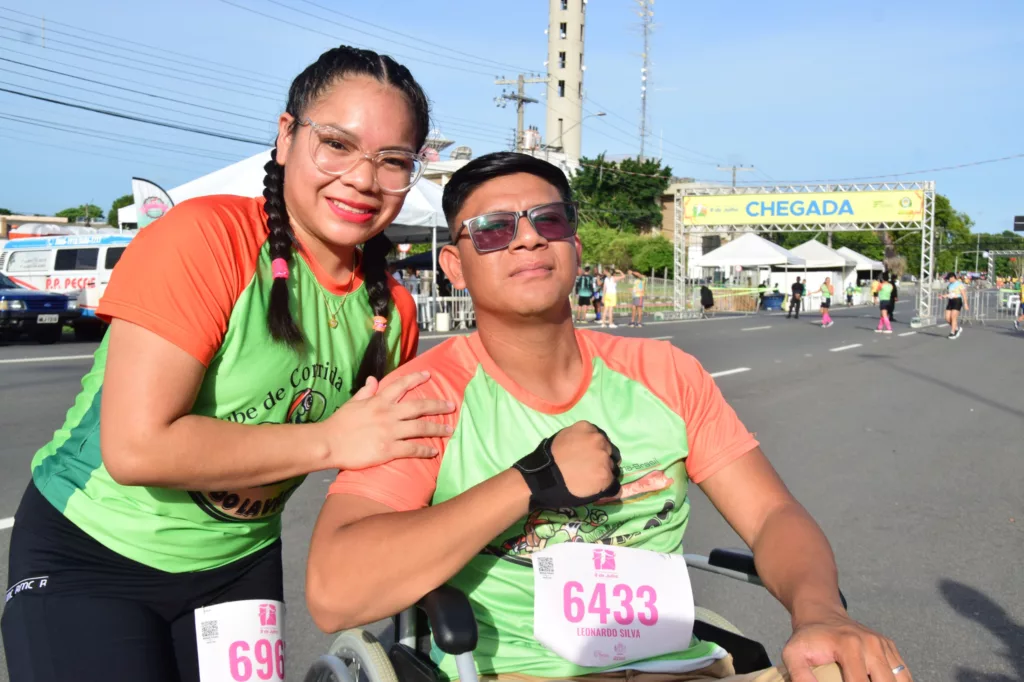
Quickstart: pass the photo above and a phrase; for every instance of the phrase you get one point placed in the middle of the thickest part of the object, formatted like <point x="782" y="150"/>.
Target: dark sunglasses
<point x="495" y="231"/>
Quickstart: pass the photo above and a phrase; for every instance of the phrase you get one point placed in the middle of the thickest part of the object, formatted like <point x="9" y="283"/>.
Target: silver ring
<point x="898" y="669"/>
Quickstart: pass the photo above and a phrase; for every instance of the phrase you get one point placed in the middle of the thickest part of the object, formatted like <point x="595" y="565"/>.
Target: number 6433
<point x="623" y="603"/>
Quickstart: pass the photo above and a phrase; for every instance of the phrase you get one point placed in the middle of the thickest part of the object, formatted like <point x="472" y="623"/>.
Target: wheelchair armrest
<point x="451" y="619"/>
<point x="742" y="561"/>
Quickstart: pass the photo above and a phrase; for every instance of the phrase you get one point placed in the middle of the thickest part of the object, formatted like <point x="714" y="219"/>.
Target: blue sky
<point x="801" y="89"/>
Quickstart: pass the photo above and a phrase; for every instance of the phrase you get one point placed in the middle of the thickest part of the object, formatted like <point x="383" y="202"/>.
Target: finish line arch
<point x="871" y="207"/>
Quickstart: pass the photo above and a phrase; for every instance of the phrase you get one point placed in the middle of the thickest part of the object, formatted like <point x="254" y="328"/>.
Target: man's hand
<point x="861" y="653"/>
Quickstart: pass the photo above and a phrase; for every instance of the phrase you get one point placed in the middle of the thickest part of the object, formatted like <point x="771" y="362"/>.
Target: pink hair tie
<point x="379" y="323"/>
<point x="279" y="268"/>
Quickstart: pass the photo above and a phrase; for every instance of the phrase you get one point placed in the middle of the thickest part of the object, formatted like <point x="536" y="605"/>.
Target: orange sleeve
<point x="406" y="307"/>
<point x="715" y="435"/>
<point x="180" y="277"/>
<point x="408" y="484"/>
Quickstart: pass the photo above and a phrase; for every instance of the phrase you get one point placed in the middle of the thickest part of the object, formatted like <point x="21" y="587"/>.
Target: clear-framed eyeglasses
<point x="336" y="152"/>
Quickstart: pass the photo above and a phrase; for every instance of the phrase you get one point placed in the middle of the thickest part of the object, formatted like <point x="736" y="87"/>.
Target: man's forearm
<point x="796" y="564"/>
<point x="380" y="565"/>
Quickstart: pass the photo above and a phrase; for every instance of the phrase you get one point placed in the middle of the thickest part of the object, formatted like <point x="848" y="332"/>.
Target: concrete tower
<point x="565" y="71"/>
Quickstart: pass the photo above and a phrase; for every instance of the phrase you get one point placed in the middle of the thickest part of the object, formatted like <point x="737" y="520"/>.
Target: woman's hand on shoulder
<point x="377" y="425"/>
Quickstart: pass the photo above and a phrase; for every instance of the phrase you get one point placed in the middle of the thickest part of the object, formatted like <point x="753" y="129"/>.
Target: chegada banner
<point x="818" y="208"/>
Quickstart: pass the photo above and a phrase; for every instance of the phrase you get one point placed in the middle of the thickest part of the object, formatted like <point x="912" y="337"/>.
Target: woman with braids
<point x="246" y="343"/>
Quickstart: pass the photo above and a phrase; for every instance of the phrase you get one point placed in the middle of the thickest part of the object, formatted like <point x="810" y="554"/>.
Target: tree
<point x="653" y="253"/>
<point x="120" y="202"/>
<point x="92" y="211"/>
<point x="625" y="195"/>
<point x="4" y="211"/>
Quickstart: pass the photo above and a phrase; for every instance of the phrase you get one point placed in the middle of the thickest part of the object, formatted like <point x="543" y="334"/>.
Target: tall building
<point x="565" y="74"/>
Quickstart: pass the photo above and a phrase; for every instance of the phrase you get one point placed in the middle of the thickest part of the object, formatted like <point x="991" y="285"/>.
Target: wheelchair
<point x="357" y="656"/>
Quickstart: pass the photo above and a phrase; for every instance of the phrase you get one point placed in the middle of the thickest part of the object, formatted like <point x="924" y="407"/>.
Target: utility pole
<point x="646" y="12"/>
<point x="735" y="168"/>
<point x="521" y="100"/>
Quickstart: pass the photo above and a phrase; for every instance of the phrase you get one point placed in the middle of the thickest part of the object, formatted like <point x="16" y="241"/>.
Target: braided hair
<point x="310" y="85"/>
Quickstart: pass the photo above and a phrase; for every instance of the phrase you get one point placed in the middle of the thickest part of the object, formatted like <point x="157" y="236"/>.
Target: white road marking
<point x="45" y="358"/>
<point x="944" y="324"/>
<point x="754" y="329"/>
<point x="727" y="372"/>
<point x="6" y="523"/>
<point x="841" y="348"/>
<point x="907" y="334"/>
<point x="661" y="338"/>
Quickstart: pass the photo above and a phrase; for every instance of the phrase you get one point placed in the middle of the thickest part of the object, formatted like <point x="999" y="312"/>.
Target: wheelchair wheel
<point x="355" y="656"/>
<point x="712" y="618"/>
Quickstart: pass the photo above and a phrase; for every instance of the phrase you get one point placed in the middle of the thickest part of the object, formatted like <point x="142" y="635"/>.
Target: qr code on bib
<point x="545" y="566"/>
<point x="208" y="630"/>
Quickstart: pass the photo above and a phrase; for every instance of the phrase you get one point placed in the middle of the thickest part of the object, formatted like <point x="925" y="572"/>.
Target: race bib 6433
<point x="600" y="606"/>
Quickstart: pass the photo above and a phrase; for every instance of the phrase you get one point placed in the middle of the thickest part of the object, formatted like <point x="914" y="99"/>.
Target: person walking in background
<point x="598" y="298"/>
<point x="884" y="301"/>
<point x="584" y="292"/>
<point x="876" y="284"/>
<point x="955" y="291"/>
<point x="849" y="295"/>
<point x="895" y="297"/>
<point x="826" y="292"/>
<point x="795" y="298"/>
<point x="636" y="318"/>
<point x="611" y="297"/>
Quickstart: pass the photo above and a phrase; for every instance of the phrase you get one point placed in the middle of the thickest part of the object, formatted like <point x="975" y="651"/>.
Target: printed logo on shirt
<point x="27" y="585"/>
<point x="591" y="524"/>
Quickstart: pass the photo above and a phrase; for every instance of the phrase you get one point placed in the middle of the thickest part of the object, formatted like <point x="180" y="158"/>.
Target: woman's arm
<point x="150" y="438"/>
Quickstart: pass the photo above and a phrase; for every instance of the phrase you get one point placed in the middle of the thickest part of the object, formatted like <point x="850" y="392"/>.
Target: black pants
<point x="794" y="305"/>
<point x="76" y="610"/>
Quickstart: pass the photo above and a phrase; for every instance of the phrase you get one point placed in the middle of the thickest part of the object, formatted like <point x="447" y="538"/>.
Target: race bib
<point x="600" y="606"/>
<point x="241" y="641"/>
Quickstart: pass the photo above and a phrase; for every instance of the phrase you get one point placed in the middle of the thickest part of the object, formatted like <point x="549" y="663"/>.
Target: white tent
<point x="862" y="262"/>
<point x="749" y="251"/>
<point x="818" y="255"/>
<point x="420" y="219"/>
<point x="420" y="216"/>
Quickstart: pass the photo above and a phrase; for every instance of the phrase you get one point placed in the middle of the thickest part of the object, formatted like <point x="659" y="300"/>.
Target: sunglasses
<point x="495" y="231"/>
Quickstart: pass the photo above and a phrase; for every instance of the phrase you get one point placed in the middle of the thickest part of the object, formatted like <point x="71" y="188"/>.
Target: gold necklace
<point x="333" y="321"/>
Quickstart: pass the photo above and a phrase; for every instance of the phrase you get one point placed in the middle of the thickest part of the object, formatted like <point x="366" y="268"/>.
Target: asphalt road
<point x="905" y="447"/>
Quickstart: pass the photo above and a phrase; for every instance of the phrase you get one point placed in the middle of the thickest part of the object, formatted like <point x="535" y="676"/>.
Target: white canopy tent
<point x="418" y="221"/>
<point x="749" y="251"/>
<point x="823" y="261"/>
<point x="862" y="262"/>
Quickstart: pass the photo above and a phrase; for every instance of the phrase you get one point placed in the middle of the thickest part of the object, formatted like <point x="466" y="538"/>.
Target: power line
<point x="50" y="60"/>
<point x="121" y="139"/>
<point x="444" y="55"/>
<point x="132" y="101"/>
<point x="176" y="111"/>
<point x="516" y="69"/>
<point x="941" y="169"/>
<point x="125" y="49"/>
<point x="68" y="148"/>
<point x="122" y="39"/>
<point x="121" y="87"/>
<point x="132" y="66"/>
<point x="140" y="119"/>
<point x="334" y="37"/>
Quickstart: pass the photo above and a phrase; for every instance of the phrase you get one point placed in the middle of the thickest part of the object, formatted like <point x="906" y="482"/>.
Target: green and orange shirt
<point x="200" y="277"/>
<point x="655" y="402"/>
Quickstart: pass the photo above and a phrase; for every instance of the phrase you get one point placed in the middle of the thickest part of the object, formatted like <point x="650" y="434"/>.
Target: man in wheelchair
<point x="558" y="502"/>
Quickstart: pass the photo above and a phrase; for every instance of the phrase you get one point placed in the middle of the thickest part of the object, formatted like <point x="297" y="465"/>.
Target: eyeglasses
<point x="335" y="152"/>
<point x="495" y="231"/>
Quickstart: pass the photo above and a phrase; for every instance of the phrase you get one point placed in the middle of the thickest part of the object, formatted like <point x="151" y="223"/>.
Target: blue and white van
<point x="76" y="265"/>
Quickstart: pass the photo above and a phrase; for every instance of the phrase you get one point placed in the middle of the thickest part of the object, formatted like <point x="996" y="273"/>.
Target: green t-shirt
<point x="655" y="402"/>
<point x="200" y="277"/>
<point x="885" y="293"/>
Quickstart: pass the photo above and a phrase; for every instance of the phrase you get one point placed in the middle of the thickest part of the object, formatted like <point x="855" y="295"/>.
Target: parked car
<point x="39" y="314"/>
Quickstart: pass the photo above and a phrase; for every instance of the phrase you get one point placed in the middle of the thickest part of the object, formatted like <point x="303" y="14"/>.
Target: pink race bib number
<point x="601" y="606"/>
<point x="241" y="641"/>
<point x="576" y="604"/>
